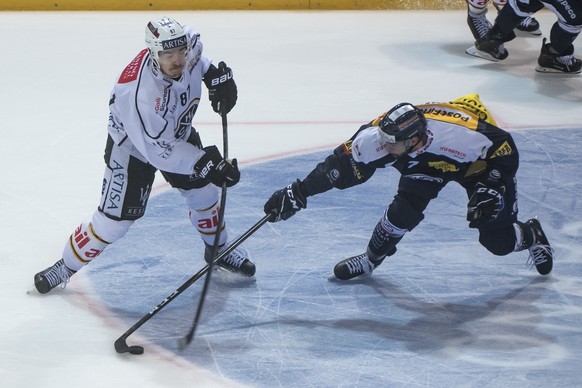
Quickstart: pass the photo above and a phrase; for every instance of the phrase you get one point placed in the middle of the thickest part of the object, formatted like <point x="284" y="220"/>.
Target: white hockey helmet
<point x="164" y="34"/>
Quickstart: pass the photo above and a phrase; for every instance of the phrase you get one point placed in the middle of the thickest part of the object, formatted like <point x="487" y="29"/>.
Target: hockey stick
<point x="121" y="345"/>
<point x="185" y="341"/>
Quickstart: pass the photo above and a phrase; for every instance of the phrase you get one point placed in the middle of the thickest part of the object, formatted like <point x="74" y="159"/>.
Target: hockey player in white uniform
<point x="431" y="145"/>
<point x="150" y="128"/>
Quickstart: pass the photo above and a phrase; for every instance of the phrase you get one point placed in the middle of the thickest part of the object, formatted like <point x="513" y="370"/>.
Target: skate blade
<point x="525" y="34"/>
<point x="226" y="277"/>
<point x="549" y="70"/>
<point x="472" y="51"/>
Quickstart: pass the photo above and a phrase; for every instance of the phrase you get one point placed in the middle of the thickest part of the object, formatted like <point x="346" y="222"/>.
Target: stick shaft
<point x="193" y="279"/>
<point x="190" y="335"/>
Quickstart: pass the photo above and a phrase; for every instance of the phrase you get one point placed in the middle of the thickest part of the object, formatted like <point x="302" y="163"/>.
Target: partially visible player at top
<point x="480" y="25"/>
<point x="152" y="105"/>
<point x="557" y="54"/>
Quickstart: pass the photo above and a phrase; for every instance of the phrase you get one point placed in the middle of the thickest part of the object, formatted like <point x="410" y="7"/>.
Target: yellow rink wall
<point x="144" y="5"/>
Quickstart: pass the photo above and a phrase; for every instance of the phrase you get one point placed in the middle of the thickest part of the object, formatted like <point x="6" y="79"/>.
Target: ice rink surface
<point x="442" y="312"/>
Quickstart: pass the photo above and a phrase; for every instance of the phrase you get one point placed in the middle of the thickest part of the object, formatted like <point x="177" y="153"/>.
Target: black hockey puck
<point x="136" y="349"/>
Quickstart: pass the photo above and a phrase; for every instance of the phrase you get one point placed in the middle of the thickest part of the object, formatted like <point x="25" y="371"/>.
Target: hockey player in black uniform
<point x="431" y="145"/>
<point x="557" y="56"/>
<point x="480" y="25"/>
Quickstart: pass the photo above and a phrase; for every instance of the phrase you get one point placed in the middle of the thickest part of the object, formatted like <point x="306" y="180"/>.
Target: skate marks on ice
<point x="441" y="312"/>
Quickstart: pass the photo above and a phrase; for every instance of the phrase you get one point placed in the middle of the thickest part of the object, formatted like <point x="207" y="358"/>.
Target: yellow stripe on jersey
<point x="465" y="110"/>
<point x="450" y="113"/>
<point x="376" y="121"/>
<point x="472" y="103"/>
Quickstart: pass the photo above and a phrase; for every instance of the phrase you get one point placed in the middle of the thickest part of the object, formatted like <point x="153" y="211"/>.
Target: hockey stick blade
<point x="472" y="51"/>
<point x="121" y="344"/>
<point x="122" y="347"/>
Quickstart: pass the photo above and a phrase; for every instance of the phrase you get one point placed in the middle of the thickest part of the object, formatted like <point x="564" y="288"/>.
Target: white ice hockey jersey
<point x="151" y="115"/>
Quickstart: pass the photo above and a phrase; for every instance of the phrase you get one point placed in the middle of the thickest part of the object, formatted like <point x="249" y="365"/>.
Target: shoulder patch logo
<point x="347" y="146"/>
<point x="131" y="71"/>
<point x="503" y="150"/>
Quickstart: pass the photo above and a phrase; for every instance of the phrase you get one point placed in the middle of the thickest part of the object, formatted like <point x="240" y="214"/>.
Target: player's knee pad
<point x="203" y="204"/>
<point x="206" y="222"/>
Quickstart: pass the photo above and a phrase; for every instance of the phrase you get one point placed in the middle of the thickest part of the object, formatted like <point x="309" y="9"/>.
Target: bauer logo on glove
<point x="216" y="169"/>
<point x="221" y="87"/>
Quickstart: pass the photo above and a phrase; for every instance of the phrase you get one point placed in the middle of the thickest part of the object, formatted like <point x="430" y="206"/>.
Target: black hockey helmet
<point x="402" y="122"/>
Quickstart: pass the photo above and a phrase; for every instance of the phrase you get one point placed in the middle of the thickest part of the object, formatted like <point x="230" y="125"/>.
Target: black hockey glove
<point x="286" y="202"/>
<point x="484" y="205"/>
<point x="216" y="169"/>
<point x="221" y="87"/>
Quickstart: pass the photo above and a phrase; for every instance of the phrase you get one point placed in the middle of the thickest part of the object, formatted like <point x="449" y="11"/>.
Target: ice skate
<point x="490" y="47"/>
<point x="237" y="261"/>
<point x="479" y="25"/>
<point x="51" y="277"/>
<point x="529" y="25"/>
<point x="540" y="252"/>
<point x="355" y="266"/>
<point x="550" y="62"/>
<point x="495" y="57"/>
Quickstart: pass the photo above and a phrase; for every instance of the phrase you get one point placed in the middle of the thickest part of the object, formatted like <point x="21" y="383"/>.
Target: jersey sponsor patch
<point x="443" y="166"/>
<point x="132" y="70"/>
<point x="450" y="114"/>
<point x="503" y="150"/>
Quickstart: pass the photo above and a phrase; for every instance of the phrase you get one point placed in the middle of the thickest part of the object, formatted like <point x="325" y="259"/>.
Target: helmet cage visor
<point x="401" y="123"/>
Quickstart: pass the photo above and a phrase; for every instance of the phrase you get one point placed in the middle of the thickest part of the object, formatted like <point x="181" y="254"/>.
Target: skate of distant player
<point x="557" y="54"/>
<point x="480" y="25"/>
